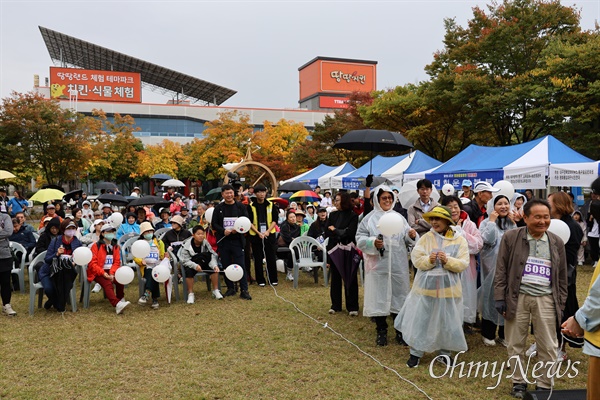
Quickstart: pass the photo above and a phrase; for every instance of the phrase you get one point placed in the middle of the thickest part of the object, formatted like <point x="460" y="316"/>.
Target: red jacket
<point x="96" y="266"/>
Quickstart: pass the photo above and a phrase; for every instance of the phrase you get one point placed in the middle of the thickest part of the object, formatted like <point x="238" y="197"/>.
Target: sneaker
<point x="353" y="313"/>
<point x="468" y="329"/>
<point x="331" y="311"/>
<point x="275" y="283"/>
<point x="155" y="304"/>
<point x="381" y="339"/>
<point x="245" y="295"/>
<point x="121" y="306"/>
<point x="488" y="342"/>
<point x="96" y="288"/>
<point x="445" y="359"/>
<point x="143" y="300"/>
<point x="191" y="298"/>
<point x="289" y="276"/>
<point x="216" y="294"/>
<point x="580" y="263"/>
<point x="261" y="285"/>
<point x="413" y="361"/>
<point x="502" y="341"/>
<point x="562" y="355"/>
<point x="400" y="339"/>
<point x="518" y="390"/>
<point x="7" y="309"/>
<point x="229" y="292"/>
<point x="531" y="351"/>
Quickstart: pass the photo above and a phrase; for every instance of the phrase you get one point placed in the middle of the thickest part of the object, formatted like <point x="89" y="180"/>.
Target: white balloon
<point x="234" y="272"/>
<point x="82" y="255"/>
<point x="116" y="219"/>
<point x="140" y="249"/>
<point x="242" y="225"/>
<point x="561" y="229"/>
<point x="390" y="224"/>
<point x="208" y="214"/>
<point x="124" y="275"/>
<point x="162" y="272"/>
<point x="448" y="189"/>
<point x="506" y="188"/>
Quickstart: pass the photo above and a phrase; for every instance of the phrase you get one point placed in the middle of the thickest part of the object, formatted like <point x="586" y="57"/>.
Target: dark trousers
<point x="259" y="254"/>
<point x="109" y="291"/>
<point x="381" y="324"/>
<point x="5" y="290"/>
<point x="488" y="330"/>
<point x="594" y="248"/>
<point x="150" y="286"/>
<point x="335" y="291"/>
<point x="232" y="252"/>
<point x="53" y="298"/>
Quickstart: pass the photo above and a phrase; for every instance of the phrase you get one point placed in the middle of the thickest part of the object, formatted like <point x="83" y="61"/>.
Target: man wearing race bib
<point x="531" y="285"/>
<point x="230" y="244"/>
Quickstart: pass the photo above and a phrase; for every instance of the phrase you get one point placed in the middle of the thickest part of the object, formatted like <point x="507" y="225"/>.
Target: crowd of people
<point x="481" y="261"/>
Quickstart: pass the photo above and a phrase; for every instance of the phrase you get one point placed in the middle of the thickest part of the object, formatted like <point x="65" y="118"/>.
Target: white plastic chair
<point x="159" y="233"/>
<point x="126" y="237"/>
<point x="36" y="236"/>
<point x="302" y="254"/>
<point x="196" y="277"/>
<point x="35" y="286"/>
<point x="20" y="269"/>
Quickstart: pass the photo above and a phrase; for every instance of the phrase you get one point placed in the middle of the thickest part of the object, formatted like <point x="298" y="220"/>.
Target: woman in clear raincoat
<point x="468" y="277"/>
<point x="387" y="277"/>
<point x="492" y="230"/>
<point x="432" y="316"/>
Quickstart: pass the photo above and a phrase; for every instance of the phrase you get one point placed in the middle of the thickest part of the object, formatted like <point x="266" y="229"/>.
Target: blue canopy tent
<point x="356" y="179"/>
<point x="312" y="176"/>
<point x="525" y="165"/>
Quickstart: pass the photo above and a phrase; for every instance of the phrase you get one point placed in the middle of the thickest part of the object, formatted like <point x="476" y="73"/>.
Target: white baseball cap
<point x="483" y="186"/>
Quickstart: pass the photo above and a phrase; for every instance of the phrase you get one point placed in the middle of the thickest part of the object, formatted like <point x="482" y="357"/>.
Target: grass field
<point x="229" y="349"/>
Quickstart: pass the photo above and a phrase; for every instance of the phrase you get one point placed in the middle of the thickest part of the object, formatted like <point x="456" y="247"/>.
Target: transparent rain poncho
<point x="387" y="278"/>
<point x="491" y="235"/>
<point x="469" y="276"/>
<point x="432" y="316"/>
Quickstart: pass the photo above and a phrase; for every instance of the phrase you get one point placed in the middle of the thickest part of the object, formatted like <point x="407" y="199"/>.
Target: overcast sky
<point x="253" y="47"/>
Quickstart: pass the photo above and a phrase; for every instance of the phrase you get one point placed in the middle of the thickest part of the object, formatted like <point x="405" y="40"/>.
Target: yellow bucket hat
<point x="440" y="212"/>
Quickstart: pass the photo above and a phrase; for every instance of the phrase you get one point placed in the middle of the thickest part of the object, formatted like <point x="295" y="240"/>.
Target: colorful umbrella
<point x="282" y="203"/>
<point x="346" y="259"/>
<point x="6" y="175"/>
<point x="45" y="195"/>
<point x="307" y="196"/>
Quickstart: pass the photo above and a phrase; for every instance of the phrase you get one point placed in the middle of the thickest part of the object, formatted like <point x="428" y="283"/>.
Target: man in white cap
<point x="476" y="208"/>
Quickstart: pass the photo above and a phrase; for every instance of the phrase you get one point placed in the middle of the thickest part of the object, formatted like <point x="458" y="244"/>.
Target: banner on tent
<point x="313" y="183"/>
<point x="456" y="178"/>
<point x="353" y="183"/>
<point x="526" y="178"/>
<point x="579" y="175"/>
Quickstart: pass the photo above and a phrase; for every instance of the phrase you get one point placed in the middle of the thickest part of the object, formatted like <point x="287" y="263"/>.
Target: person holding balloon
<point x="58" y="273"/>
<point x="106" y="259"/>
<point x="197" y="255"/>
<point x="492" y="229"/>
<point x="431" y="318"/>
<point x="156" y="255"/>
<point x="384" y="237"/>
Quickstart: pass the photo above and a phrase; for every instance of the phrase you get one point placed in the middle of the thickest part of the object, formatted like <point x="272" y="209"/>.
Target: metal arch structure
<point x="248" y="161"/>
<point x="69" y="51"/>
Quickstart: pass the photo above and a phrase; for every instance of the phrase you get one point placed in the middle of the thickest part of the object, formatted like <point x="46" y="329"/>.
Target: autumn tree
<point x="159" y="158"/>
<point x="115" y="149"/>
<point x="494" y="62"/>
<point x="38" y="136"/>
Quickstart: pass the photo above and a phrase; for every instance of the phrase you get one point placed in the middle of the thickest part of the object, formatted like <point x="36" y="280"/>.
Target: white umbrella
<point x="173" y="183"/>
<point x="408" y="194"/>
<point x="6" y="175"/>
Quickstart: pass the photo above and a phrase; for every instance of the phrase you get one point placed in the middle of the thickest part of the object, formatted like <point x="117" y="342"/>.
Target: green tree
<point x="44" y="138"/>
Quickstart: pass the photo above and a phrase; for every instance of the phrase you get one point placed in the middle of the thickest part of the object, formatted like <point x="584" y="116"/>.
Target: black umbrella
<point x="72" y="194"/>
<point x="294" y="187"/>
<point x="148" y="201"/>
<point x="112" y="199"/>
<point x="373" y="140"/>
<point x="161" y="176"/>
<point x="213" y="194"/>
<point x="106" y="185"/>
<point x="346" y="260"/>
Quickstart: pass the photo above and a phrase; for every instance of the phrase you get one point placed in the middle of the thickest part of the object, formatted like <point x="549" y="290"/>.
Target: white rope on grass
<point x="327" y="326"/>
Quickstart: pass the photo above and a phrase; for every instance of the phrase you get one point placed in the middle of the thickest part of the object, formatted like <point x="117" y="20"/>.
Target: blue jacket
<point x="51" y="253"/>
<point x="24" y="237"/>
<point x="17" y="205"/>
<point x="126" y="228"/>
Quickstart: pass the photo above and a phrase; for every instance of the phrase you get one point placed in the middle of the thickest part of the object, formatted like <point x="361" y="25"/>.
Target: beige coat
<point x="513" y="252"/>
